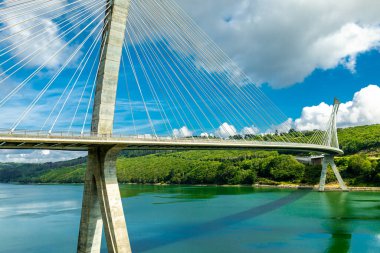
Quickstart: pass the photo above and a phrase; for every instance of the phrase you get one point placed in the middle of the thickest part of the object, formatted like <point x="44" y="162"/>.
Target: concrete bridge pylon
<point x="102" y="206"/>
<point x="331" y="141"/>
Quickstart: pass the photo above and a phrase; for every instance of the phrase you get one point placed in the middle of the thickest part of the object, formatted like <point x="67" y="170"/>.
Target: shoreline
<point x="328" y="188"/>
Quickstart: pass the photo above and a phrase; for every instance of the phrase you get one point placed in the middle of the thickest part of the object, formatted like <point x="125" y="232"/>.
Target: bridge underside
<point x="85" y="143"/>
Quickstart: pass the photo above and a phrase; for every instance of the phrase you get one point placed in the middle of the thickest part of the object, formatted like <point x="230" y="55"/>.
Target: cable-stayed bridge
<point x="30" y="140"/>
<point x="107" y="75"/>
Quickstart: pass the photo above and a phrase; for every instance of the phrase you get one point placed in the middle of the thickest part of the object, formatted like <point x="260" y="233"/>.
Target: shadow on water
<point x="173" y="235"/>
<point x="181" y="192"/>
<point x="339" y="223"/>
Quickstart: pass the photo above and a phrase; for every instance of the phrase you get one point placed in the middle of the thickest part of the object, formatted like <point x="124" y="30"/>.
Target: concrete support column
<point x="102" y="205"/>
<point x="329" y="160"/>
<point x="91" y="224"/>
<point x="111" y="207"/>
<point x="101" y="198"/>
<point x="108" y="74"/>
<point x="322" y="180"/>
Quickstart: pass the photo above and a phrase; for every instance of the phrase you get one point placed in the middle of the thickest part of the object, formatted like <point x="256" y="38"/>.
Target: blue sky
<point x="301" y="54"/>
<point x="324" y="85"/>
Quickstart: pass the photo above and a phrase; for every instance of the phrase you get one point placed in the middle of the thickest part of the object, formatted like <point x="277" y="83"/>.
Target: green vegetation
<point x="359" y="167"/>
<point x="27" y="173"/>
<point x="188" y="167"/>
<point x="360" y="139"/>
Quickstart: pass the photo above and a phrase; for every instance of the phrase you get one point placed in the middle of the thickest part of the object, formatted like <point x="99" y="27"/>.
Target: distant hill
<point x="364" y="139"/>
<point x="212" y="167"/>
<point x="70" y="171"/>
<point x="24" y="172"/>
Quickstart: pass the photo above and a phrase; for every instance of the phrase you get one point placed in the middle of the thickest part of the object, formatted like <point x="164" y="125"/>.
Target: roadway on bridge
<point x="57" y="142"/>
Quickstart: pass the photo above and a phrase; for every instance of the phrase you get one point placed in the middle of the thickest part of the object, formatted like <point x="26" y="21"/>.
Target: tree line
<point x="358" y="167"/>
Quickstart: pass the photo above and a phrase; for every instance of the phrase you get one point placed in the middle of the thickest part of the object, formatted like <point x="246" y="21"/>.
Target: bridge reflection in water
<point x="339" y="222"/>
<point x="179" y="233"/>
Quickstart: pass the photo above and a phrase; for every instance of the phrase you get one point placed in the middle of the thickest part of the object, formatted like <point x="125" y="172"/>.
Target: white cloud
<point x="359" y="38"/>
<point x="182" y="132"/>
<point x="314" y="117"/>
<point x="284" y="127"/>
<point x="225" y="130"/>
<point x="364" y="109"/>
<point x="38" y="156"/>
<point x="207" y="135"/>
<point x="249" y="130"/>
<point x="282" y="42"/>
<point x="21" y="26"/>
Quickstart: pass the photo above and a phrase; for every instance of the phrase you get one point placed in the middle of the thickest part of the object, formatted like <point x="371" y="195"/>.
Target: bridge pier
<point x="102" y="206"/>
<point x="91" y="223"/>
<point x="329" y="160"/>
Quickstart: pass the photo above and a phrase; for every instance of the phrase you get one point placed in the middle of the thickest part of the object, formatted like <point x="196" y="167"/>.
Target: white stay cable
<point x="42" y="22"/>
<point x="105" y="37"/>
<point x="156" y="71"/>
<point x="22" y="84"/>
<point x="165" y="67"/>
<point x="140" y="90"/>
<point x="37" y="16"/>
<point x="26" y="60"/>
<point x="196" y="80"/>
<point x="200" y="32"/>
<point x="84" y="17"/>
<point x="16" y="3"/>
<point x="180" y="72"/>
<point x="197" y="76"/>
<point x="83" y="92"/>
<point x="154" y="93"/>
<point x="81" y="65"/>
<point x="129" y="94"/>
<point x="30" y="107"/>
<point x="33" y="7"/>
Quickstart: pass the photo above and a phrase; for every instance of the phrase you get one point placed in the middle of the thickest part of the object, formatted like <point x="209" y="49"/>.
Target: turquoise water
<point x="45" y="218"/>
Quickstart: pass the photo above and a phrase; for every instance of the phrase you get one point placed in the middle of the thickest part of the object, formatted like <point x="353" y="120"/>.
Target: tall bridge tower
<point x="102" y="206"/>
<point x="331" y="139"/>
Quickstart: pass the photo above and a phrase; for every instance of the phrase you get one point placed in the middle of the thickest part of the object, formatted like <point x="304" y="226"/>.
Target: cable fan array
<point x="49" y="56"/>
<point x="174" y="81"/>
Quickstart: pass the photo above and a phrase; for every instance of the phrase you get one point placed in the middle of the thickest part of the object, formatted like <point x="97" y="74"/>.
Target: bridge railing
<point x="146" y="137"/>
<point x="88" y="135"/>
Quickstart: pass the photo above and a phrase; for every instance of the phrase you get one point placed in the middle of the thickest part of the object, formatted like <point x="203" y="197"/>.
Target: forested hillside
<point x="359" y="166"/>
<point x="364" y="139"/>
<point x="24" y="172"/>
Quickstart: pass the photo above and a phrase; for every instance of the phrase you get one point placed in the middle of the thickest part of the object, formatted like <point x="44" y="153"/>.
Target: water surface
<point x="45" y="218"/>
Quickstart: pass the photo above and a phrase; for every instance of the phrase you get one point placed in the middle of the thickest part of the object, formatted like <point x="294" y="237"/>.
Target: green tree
<point x="227" y="174"/>
<point x="359" y="165"/>
<point x="286" y="168"/>
<point x="312" y="174"/>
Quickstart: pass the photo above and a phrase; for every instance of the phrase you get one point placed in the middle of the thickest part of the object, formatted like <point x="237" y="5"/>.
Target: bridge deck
<point x="57" y="142"/>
